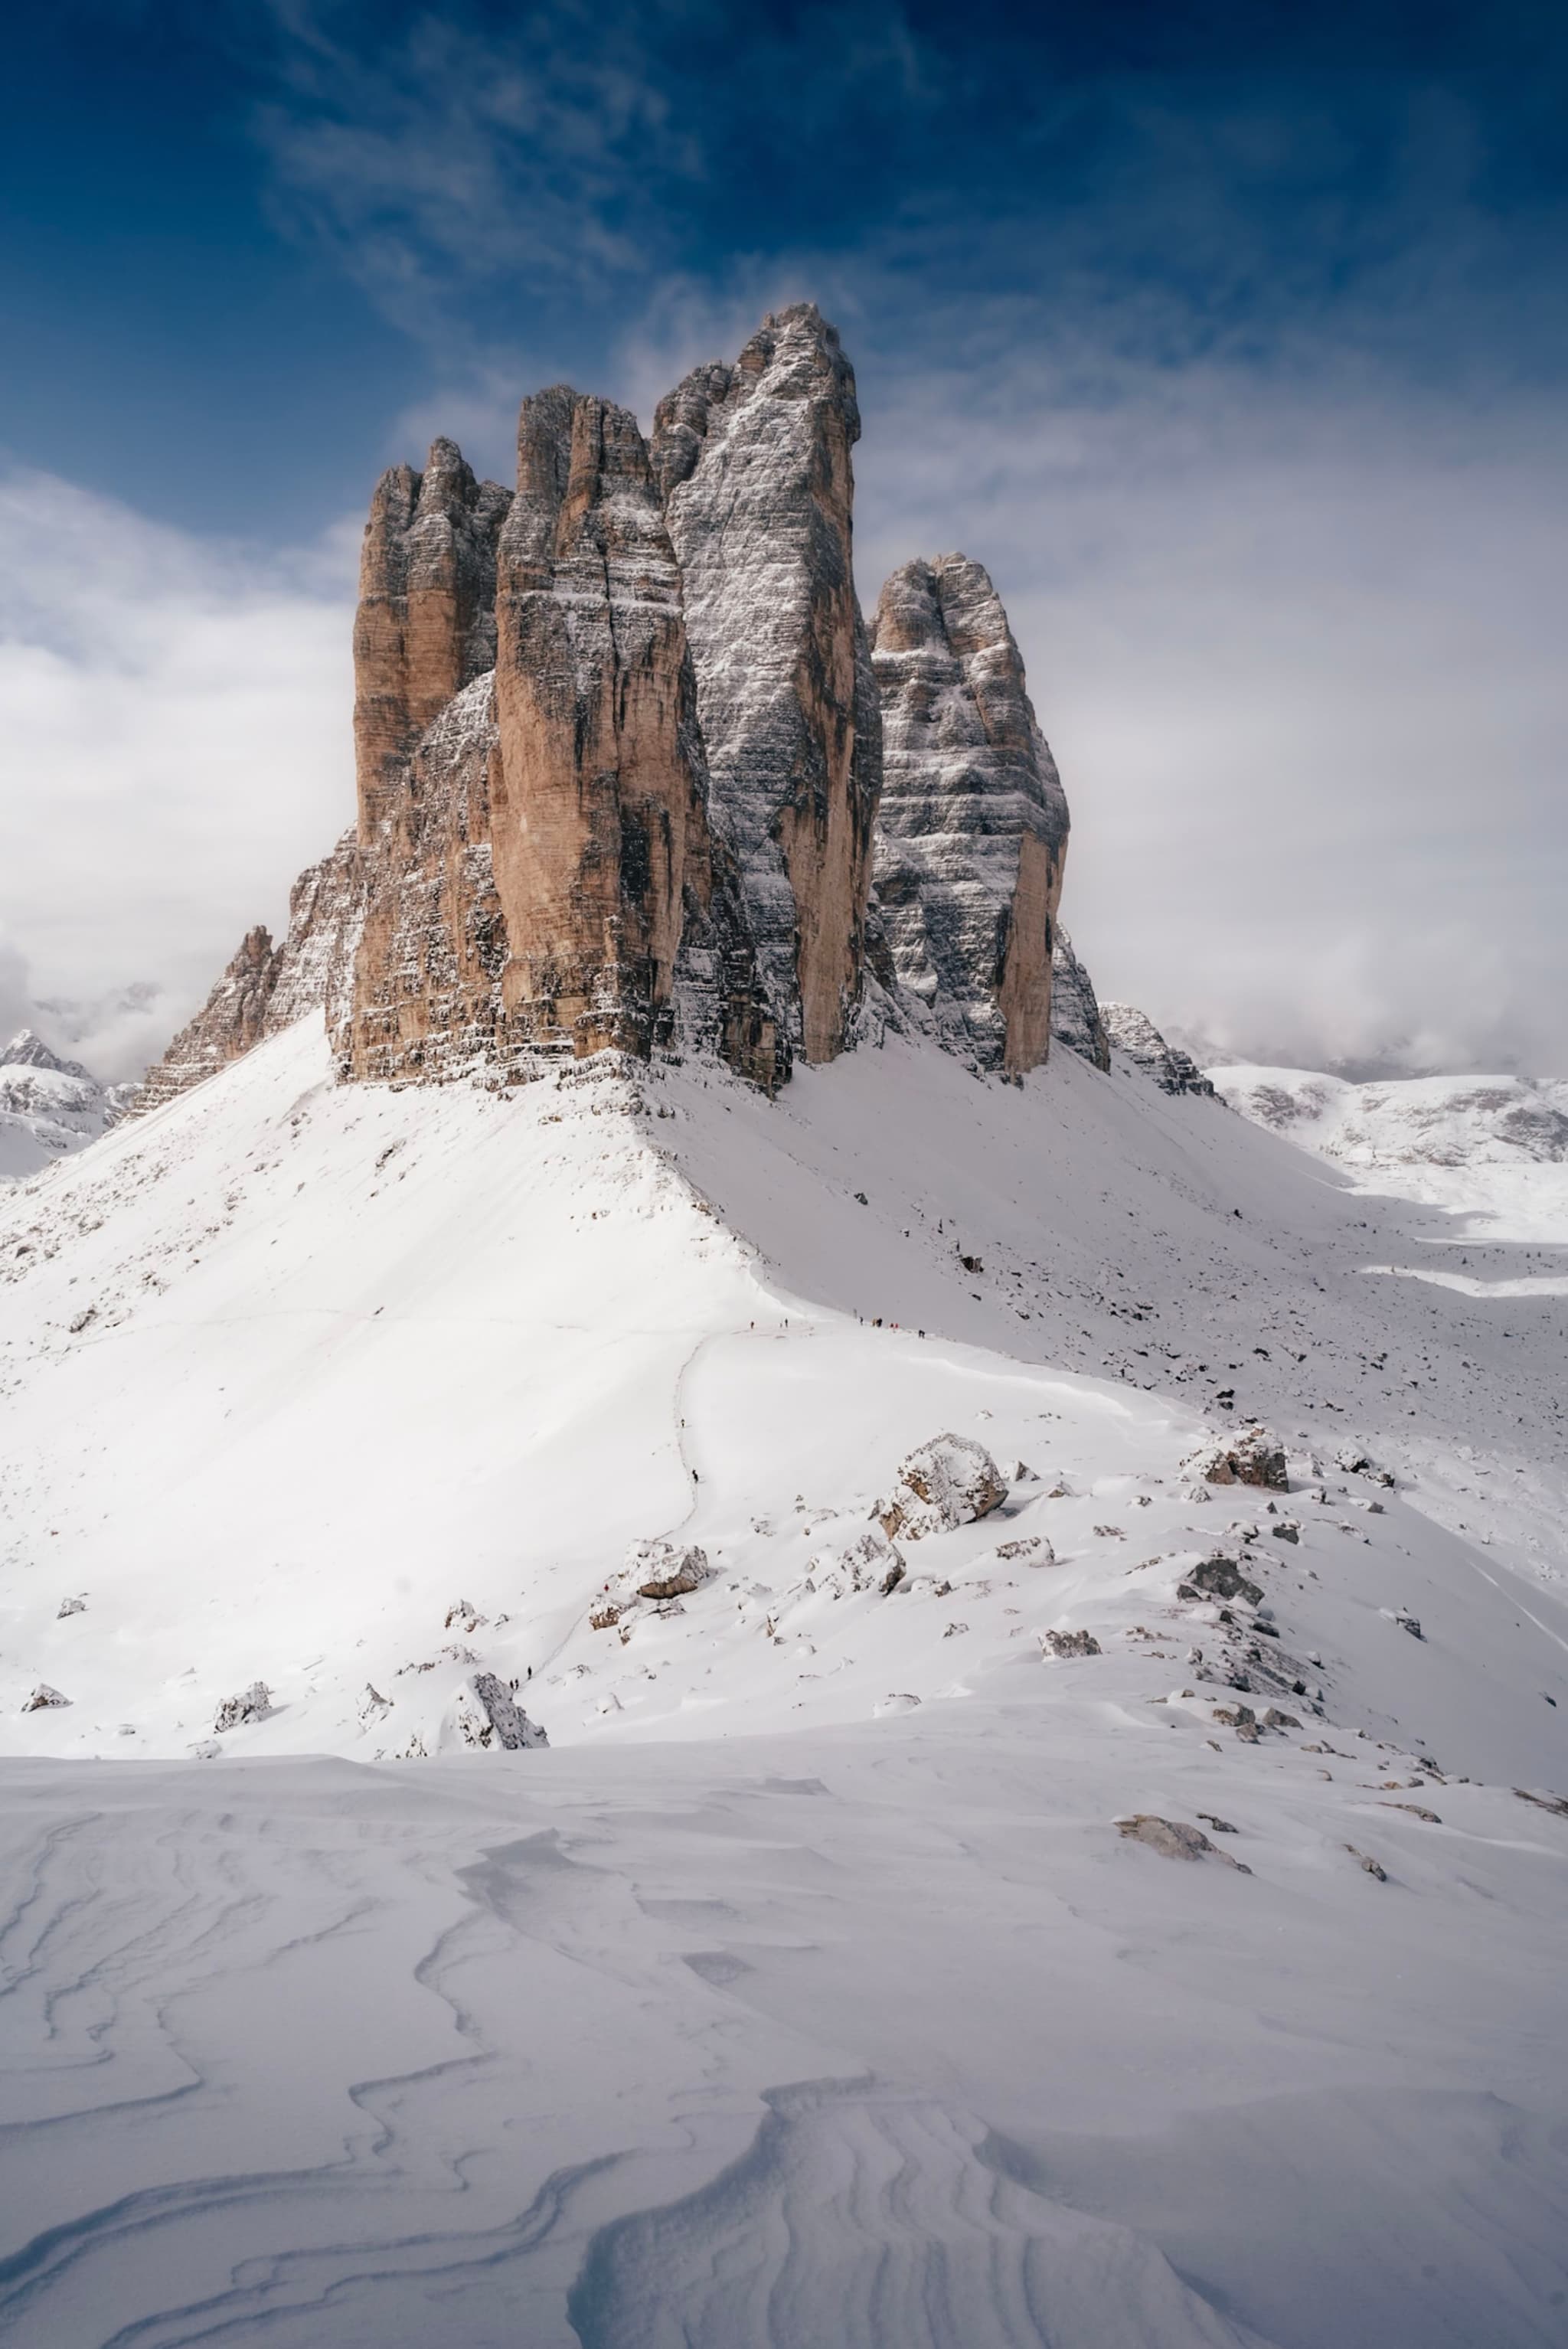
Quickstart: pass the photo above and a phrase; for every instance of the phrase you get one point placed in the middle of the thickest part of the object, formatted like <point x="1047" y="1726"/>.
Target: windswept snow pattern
<point x="802" y="1988"/>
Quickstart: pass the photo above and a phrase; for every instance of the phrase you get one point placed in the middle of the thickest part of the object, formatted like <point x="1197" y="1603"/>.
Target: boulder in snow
<point x="463" y="1617"/>
<point x="489" y="1715"/>
<point x="1174" y="1839"/>
<point x="254" y="1703"/>
<point x="948" y="1482"/>
<point x="665" y="1570"/>
<point x="70" y="1607"/>
<point x="1256" y="1456"/>
<point x="1219" y="1578"/>
<point x="1070" y="1643"/>
<point x="44" y="1699"/>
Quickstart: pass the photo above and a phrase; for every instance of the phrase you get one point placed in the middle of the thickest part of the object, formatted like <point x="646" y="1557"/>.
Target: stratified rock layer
<point x="544" y="878"/>
<point x="973" y="827"/>
<point x="753" y="463"/>
<point x="425" y="622"/>
<point x="599" y="795"/>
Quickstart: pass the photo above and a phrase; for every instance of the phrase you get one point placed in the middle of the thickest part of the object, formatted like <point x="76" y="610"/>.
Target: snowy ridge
<point x="1493" y="1150"/>
<point x="804" y="1989"/>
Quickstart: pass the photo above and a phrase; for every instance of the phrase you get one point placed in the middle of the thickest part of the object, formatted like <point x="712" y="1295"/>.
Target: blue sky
<point x="1233" y="338"/>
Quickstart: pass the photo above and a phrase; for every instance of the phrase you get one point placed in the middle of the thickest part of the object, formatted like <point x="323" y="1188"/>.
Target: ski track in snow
<point x="803" y="1991"/>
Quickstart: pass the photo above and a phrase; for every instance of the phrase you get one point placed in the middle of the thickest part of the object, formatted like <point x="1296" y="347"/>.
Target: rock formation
<point x="233" y="1019"/>
<point x="753" y="462"/>
<point x="972" y="830"/>
<point x="1134" y="1033"/>
<point x="540" y="875"/>
<point x="1075" y="1011"/>
<point x="426" y="623"/>
<point x="265" y="989"/>
<point x="619" y="743"/>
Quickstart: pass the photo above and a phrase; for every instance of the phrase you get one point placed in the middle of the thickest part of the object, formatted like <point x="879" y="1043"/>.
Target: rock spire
<point x="753" y="462"/>
<point x="973" y="827"/>
<point x="426" y="623"/>
<point x="620" y="738"/>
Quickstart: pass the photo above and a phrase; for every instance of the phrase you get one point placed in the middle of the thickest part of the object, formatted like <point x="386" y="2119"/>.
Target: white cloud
<point x="175" y="717"/>
<point x="1298" y="651"/>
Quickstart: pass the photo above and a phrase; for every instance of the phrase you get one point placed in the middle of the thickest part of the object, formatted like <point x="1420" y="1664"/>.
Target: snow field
<point x="804" y="1989"/>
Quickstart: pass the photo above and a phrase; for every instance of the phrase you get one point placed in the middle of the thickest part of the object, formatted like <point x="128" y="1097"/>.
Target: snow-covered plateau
<point x="1128" y="1919"/>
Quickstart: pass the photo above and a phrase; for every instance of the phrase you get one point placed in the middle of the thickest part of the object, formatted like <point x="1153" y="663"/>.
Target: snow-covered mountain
<point x="701" y="1647"/>
<point x="48" y="1106"/>
<point x="822" y="1956"/>
<point x="1492" y="1148"/>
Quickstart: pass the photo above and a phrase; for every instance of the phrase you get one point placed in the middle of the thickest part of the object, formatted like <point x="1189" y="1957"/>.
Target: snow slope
<point x="804" y="1989"/>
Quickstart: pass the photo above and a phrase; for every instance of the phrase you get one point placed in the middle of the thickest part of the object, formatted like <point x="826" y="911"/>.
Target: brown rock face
<point x="426" y="623"/>
<point x="599" y="792"/>
<point x="233" y="1019"/>
<point x="541" y="875"/>
<point x="619" y="744"/>
<point x="972" y="824"/>
<point x="753" y="463"/>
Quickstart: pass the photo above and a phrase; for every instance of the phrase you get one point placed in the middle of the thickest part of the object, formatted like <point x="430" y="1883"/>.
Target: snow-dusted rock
<point x="1221" y="1578"/>
<point x="48" y="1106"/>
<point x="1070" y="1643"/>
<point x="971" y="829"/>
<point x="665" y="1570"/>
<point x="945" y="1483"/>
<point x="463" y="1615"/>
<point x="44" y="1699"/>
<point x="1174" y="1838"/>
<point x="69" y="1607"/>
<point x="487" y="1715"/>
<point x="753" y="463"/>
<point x="254" y="1703"/>
<point x="1134" y="1034"/>
<point x="1256" y="1456"/>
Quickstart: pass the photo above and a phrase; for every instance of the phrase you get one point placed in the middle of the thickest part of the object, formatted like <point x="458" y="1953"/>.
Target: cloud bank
<point x="175" y="717"/>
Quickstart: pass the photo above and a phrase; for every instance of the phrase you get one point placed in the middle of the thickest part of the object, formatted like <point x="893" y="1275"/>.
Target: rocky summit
<point x="632" y="774"/>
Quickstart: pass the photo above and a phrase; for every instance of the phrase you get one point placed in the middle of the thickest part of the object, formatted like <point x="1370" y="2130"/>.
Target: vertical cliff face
<point x="753" y="465"/>
<point x="620" y="747"/>
<point x="972" y="826"/>
<point x="1075" y="1009"/>
<point x="426" y="623"/>
<point x="597" y="802"/>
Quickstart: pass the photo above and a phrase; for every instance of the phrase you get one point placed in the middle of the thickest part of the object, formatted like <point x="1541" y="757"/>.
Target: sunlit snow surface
<point x="803" y="1991"/>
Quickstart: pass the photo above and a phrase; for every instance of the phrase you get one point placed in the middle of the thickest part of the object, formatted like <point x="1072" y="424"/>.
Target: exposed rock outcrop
<point x="973" y="829"/>
<point x="425" y="622"/>
<point x="233" y="1019"/>
<point x="753" y="463"/>
<point x="1075" y="1010"/>
<point x="599" y="815"/>
<point x="619" y="747"/>
<point x="265" y="987"/>
<point x="948" y="1482"/>
<point x="1133" y="1032"/>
